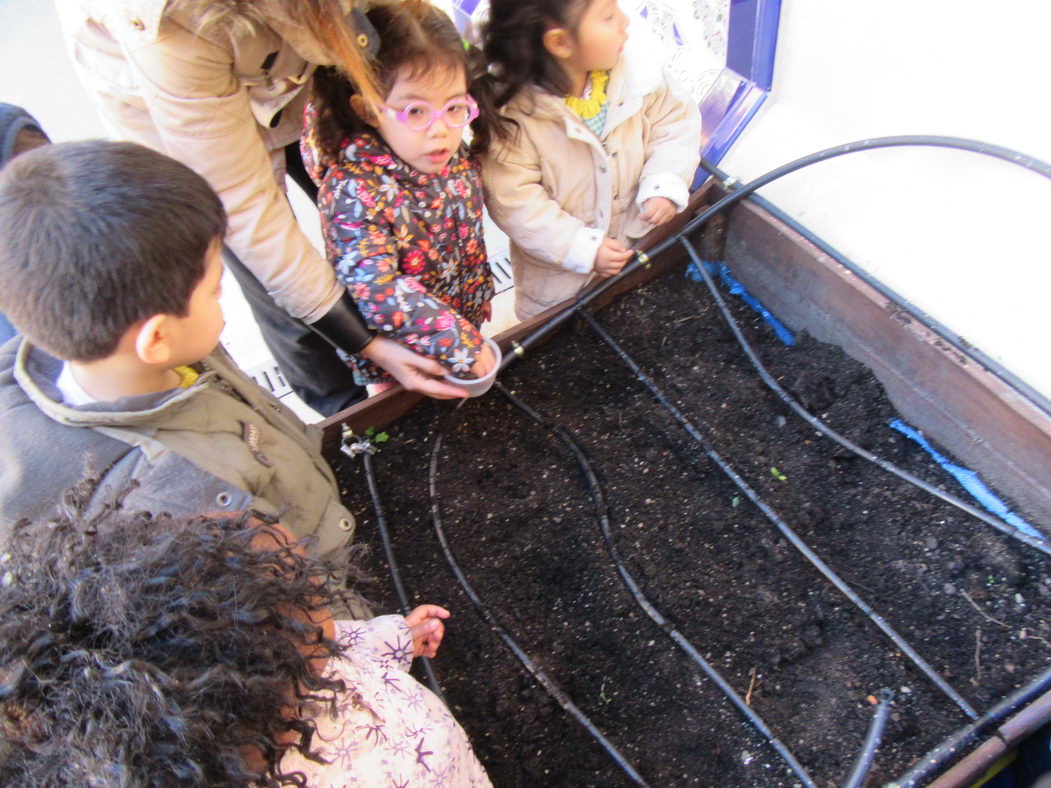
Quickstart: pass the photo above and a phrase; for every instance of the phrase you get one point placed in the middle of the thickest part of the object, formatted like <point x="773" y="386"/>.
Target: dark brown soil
<point x="522" y="525"/>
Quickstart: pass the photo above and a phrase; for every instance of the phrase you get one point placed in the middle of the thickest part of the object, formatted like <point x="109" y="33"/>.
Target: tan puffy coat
<point x="222" y="444"/>
<point x="225" y="103"/>
<point x="558" y="191"/>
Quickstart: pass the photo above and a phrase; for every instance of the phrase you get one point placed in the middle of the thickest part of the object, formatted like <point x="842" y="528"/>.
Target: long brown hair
<point x="325" y="20"/>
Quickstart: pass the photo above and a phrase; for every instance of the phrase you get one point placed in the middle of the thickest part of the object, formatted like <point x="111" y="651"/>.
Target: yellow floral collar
<point x="591" y="106"/>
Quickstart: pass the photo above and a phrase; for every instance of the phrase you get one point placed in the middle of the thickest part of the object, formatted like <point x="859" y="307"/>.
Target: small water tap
<point x="352" y="445"/>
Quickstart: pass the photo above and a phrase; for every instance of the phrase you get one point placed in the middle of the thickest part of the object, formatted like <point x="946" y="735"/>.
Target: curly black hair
<point x="146" y="650"/>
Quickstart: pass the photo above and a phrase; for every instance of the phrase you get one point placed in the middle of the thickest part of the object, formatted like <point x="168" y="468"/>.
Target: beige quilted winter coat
<point x="225" y="103"/>
<point x="558" y="190"/>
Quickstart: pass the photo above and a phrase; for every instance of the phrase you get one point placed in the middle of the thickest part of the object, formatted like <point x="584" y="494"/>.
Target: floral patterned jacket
<point x="407" y="245"/>
<point x="387" y="729"/>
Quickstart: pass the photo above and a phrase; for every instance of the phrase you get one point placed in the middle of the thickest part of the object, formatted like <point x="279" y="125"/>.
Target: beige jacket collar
<point x="36" y="372"/>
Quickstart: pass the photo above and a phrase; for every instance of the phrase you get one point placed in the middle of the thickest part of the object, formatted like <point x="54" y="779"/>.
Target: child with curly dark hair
<point x="155" y="651"/>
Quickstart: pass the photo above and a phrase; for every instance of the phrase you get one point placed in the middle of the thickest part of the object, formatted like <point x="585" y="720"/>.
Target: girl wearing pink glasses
<point x="400" y="198"/>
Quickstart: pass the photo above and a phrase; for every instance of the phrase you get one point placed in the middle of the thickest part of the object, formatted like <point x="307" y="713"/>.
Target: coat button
<point x="346" y="524"/>
<point x="137" y="23"/>
<point x="224" y="499"/>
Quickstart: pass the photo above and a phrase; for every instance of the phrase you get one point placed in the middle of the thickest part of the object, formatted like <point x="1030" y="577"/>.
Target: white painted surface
<point x="962" y="236"/>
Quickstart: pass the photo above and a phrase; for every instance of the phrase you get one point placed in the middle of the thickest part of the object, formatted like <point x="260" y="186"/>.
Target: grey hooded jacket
<point x="221" y="444"/>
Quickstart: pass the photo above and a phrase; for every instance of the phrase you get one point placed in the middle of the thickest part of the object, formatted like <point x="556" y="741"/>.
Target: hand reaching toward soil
<point x="427" y="629"/>
<point x="411" y="370"/>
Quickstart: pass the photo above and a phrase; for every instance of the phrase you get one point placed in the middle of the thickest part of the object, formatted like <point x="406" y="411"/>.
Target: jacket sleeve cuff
<point x="344" y="327"/>
<point x="381" y="639"/>
<point x="580" y="259"/>
<point x="664" y="184"/>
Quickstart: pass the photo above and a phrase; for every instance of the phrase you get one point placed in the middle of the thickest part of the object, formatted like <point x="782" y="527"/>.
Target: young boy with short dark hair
<point x="19" y="132"/>
<point x="109" y="259"/>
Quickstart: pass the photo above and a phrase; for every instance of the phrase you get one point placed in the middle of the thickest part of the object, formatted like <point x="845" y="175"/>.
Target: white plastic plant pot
<point x="476" y="387"/>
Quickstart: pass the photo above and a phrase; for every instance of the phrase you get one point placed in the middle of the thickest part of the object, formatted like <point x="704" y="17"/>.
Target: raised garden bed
<point x="521" y="520"/>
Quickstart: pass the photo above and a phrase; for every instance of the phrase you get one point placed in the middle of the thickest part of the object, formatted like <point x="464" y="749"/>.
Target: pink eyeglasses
<point x="421" y="115"/>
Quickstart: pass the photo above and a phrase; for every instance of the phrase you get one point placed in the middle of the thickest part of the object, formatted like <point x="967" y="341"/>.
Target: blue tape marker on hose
<point x="970" y="482"/>
<point x="737" y="289"/>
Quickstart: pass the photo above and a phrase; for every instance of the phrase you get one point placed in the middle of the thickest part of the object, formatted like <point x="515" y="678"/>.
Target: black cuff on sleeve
<point x="344" y="327"/>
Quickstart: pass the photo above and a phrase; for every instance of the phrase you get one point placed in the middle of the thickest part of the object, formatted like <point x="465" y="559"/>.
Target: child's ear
<point x="152" y="344"/>
<point x="558" y="42"/>
<point x="362" y="109"/>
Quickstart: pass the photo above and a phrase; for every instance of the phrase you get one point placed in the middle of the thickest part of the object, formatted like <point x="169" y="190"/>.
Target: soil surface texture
<point x="519" y="517"/>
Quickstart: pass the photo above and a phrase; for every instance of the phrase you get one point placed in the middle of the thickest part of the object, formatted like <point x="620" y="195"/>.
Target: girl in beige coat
<point x="593" y="146"/>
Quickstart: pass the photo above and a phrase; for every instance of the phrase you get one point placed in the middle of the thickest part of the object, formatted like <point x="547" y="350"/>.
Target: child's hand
<point x="658" y="210"/>
<point x="485" y="362"/>
<point x="487" y="311"/>
<point x="413" y="371"/>
<point x="427" y="629"/>
<point x="611" y="256"/>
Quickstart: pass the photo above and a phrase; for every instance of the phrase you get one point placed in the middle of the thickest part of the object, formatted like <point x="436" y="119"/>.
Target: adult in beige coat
<point x="558" y="190"/>
<point x="220" y="85"/>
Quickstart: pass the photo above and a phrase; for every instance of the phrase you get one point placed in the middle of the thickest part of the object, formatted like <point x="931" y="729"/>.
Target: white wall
<point x="962" y="236"/>
<point x="35" y="71"/>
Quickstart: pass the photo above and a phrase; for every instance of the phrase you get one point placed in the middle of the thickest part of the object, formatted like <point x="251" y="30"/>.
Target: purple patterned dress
<point x="407" y="245"/>
<point x="388" y="730"/>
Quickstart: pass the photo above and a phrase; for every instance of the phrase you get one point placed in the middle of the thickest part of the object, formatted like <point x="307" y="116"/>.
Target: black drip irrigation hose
<point x="729" y="183"/>
<point x="863" y="763"/>
<point x="642" y="258"/>
<point x="780" y="524"/>
<point x="741" y="191"/>
<point x="936" y="759"/>
<point x="602" y="512"/>
<point x="365" y="448"/>
<point x="498" y="629"/>
<point x="1004" y="528"/>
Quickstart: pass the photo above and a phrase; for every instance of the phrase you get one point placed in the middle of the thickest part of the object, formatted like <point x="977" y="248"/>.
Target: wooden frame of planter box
<point x="936" y="385"/>
<point x="387" y="406"/>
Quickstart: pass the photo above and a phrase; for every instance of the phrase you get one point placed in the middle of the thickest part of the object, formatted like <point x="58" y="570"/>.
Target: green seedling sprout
<point x="376" y="437"/>
<point x="735" y="501"/>
<point x="603" y="699"/>
<point x="778" y="475"/>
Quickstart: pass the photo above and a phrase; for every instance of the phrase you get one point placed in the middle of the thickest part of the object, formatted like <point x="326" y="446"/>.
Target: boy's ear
<point x="362" y="109"/>
<point x="152" y="344"/>
<point x="558" y="42"/>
